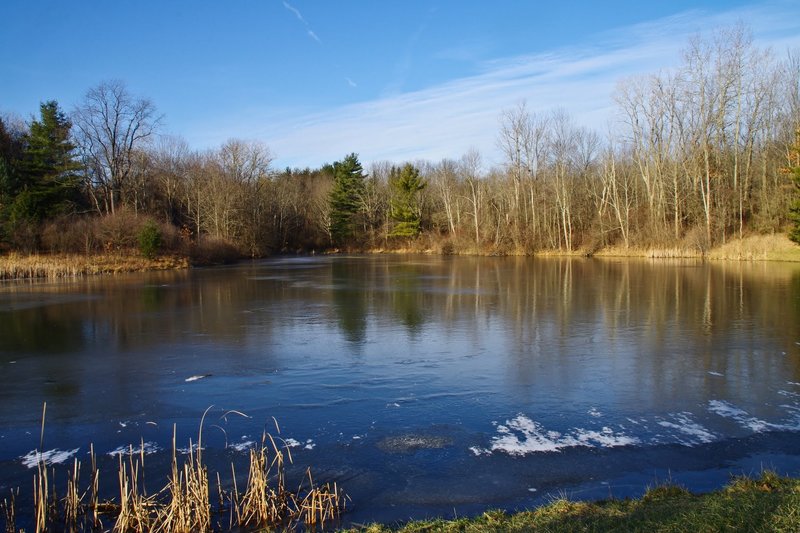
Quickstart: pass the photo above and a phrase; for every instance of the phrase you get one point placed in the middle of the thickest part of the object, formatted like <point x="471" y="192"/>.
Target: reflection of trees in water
<point x="351" y="289"/>
<point x="658" y="321"/>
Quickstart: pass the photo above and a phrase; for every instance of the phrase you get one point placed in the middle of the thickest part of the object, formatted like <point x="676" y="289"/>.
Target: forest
<point x="698" y="155"/>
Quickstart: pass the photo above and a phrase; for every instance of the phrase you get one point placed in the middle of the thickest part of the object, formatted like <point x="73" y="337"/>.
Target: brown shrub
<point x="213" y="251"/>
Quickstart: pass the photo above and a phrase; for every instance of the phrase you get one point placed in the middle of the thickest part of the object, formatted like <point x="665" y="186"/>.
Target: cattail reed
<point x="184" y="504"/>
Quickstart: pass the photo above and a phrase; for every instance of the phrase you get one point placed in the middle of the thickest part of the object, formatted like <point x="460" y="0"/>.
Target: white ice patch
<point x="605" y="438"/>
<point x="147" y="447"/>
<point x="50" y="457"/>
<point x="796" y="384"/>
<point x="195" y="378"/>
<point x="726" y="410"/>
<point x="594" y="412"/>
<point x="684" y="424"/>
<point x="521" y="436"/>
<point x="718" y="374"/>
<point x="310" y="445"/>
<point x="187" y="450"/>
<point x="789" y="394"/>
<point x="291" y="443"/>
<point x="242" y="446"/>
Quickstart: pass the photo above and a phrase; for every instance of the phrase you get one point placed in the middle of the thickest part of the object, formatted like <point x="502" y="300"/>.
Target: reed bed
<point x="184" y="504"/>
<point x="57" y="266"/>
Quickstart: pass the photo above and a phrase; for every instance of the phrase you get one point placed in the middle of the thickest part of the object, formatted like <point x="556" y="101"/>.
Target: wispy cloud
<point x="447" y="119"/>
<point x="350" y="82"/>
<point x="296" y="12"/>
<point x="302" y="19"/>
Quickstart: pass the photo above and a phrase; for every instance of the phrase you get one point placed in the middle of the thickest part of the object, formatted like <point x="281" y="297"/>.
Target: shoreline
<point x="17" y="266"/>
<point x="768" y="502"/>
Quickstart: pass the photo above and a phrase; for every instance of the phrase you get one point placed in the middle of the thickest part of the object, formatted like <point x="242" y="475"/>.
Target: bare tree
<point x="111" y="125"/>
<point x="470" y="165"/>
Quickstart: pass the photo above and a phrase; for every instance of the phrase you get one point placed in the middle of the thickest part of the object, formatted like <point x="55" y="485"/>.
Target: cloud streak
<point x="447" y="119"/>
<point x="302" y="19"/>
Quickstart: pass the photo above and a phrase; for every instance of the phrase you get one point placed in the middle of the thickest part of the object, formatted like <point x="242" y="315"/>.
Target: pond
<point x="425" y="386"/>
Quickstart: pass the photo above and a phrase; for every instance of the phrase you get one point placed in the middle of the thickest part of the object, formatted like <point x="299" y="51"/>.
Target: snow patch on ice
<point x="147" y="447"/>
<point x="594" y="412"/>
<point x="687" y="426"/>
<point x="522" y="436"/>
<point x="197" y="377"/>
<point x="718" y="374"/>
<point x="242" y="446"/>
<point x="726" y="410"/>
<point x="50" y="457"/>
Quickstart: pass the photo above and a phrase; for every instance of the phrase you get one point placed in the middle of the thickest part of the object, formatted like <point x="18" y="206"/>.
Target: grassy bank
<point x="53" y="266"/>
<point x="776" y="247"/>
<point x="767" y="503"/>
<point x="19" y="266"/>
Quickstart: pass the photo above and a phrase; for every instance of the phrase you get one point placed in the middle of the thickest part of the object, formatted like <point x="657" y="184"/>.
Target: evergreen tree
<point x="49" y="174"/>
<point x="39" y="180"/>
<point x="346" y="198"/>
<point x="406" y="185"/>
<point x="12" y="148"/>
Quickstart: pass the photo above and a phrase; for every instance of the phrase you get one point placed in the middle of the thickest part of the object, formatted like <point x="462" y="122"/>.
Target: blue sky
<point x="388" y="79"/>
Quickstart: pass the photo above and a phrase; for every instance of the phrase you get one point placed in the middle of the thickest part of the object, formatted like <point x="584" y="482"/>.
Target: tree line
<point x="703" y="153"/>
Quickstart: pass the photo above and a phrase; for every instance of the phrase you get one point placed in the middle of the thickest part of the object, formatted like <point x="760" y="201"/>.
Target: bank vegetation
<point x="768" y="503"/>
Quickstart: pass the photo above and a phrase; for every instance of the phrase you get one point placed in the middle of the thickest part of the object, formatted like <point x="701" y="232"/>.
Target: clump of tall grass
<point x="184" y="504"/>
<point x="16" y="266"/>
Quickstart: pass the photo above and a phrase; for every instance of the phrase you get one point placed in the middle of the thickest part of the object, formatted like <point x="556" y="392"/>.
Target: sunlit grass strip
<point x="766" y="503"/>
<point x="17" y="266"/>
<point x="184" y="504"/>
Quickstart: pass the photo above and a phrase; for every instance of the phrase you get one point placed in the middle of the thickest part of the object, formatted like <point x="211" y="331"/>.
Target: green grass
<point x="766" y="503"/>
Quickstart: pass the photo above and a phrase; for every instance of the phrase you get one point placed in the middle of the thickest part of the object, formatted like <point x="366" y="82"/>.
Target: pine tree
<point x="346" y="198"/>
<point x="48" y="181"/>
<point x="406" y="185"/>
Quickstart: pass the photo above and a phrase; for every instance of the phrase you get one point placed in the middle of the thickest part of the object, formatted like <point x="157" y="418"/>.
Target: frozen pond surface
<point x="423" y="385"/>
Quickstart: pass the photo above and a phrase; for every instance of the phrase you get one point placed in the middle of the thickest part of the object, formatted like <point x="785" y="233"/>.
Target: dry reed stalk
<point x="72" y="500"/>
<point x="10" y="512"/>
<point x="94" y="490"/>
<point x="262" y="505"/>
<point x="135" y="507"/>
<point x="41" y="505"/>
<point x="320" y="504"/>
<point x="266" y="503"/>
<point x="189" y="507"/>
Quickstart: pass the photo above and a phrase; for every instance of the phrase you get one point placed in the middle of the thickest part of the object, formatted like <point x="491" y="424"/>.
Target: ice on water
<point x="523" y="436"/>
<point x="50" y="457"/>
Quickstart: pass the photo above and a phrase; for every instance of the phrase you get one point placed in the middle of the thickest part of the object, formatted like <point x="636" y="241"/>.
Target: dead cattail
<point x="9" y="506"/>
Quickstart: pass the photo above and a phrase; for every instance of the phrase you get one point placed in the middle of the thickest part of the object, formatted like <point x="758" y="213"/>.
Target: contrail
<point x="302" y="19"/>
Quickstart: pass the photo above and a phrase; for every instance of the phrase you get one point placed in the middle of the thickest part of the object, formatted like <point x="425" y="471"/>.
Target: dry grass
<point x="758" y="248"/>
<point x="184" y="504"/>
<point x="9" y="507"/>
<point x="17" y="266"/>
